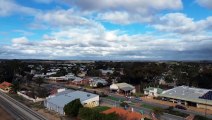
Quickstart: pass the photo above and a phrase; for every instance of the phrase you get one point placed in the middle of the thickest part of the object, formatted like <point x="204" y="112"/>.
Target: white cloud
<point x="118" y="17"/>
<point x="20" y="40"/>
<point x="205" y="3"/>
<point x="180" y="23"/>
<point x="128" y="11"/>
<point x="90" y="43"/>
<point x="65" y="18"/>
<point x="8" y="7"/>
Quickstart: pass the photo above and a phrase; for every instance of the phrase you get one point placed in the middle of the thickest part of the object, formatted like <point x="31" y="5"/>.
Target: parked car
<point x="180" y="107"/>
<point x="138" y="99"/>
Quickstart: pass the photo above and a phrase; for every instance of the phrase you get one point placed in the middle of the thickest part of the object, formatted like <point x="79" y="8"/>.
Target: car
<point x="180" y="107"/>
<point x="138" y="99"/>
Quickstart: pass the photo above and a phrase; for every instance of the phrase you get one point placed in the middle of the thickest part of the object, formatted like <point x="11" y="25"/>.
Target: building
<point x="127" y="115"/>
<point x="58" y="102"/>
<point x="80" y="81"/>
<point x="152" y="92"/>
<point x="5" y="86"/>
<point x="122" y="88"/>
<point x="105" y="72"/>
<point x="96" y="80"/>
<point x="189" y="96"/>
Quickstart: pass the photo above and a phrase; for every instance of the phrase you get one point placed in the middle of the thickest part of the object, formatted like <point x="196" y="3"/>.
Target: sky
<point x="106" y="29"/>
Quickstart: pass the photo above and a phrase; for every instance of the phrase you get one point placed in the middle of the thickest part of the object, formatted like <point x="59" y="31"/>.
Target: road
<point x="145" y="102"/>
<point x="17" y="109"/>
<point x="160" y="105"/>
<point x="165" y="116"/>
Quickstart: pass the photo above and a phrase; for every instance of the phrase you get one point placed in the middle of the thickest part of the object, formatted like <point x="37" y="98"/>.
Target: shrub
<point x="92" y="114"/>
<point x="72" y="108"/>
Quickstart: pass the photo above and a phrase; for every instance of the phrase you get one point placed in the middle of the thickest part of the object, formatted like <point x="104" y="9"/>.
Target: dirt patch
<point x="4" y="115"/>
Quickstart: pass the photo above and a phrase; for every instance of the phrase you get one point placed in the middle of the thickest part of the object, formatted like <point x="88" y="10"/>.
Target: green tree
<point x="72" y="108"/>
<point x="92" y="114"/>
<point x="158" y="111"/>
<point x="15" y="86"/>
<point x="39" y="81"/>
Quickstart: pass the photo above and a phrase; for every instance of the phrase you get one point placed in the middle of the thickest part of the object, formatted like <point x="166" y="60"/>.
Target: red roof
<point x="128" y="115"/>
<point x="5" y="85"/>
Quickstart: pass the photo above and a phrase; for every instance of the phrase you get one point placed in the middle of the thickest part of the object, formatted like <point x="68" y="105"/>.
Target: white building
<point x="58" y="102"/>
<point x="105" y="72"/>
<point x="152" y="92"/>
<point x="122" y="88"/>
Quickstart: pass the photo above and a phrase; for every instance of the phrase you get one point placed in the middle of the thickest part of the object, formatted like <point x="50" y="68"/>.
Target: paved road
<point x="145" y="102"/>
<point x="165" y="116"/>
<point x="17" y="109"/>
<point x="160" y="105"/>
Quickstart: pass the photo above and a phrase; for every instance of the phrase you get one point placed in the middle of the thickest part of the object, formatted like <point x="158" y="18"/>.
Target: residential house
<point x="152" y="92"/>
<point x="125" y="114"/>
<point x="94" y="81"/>
<point x="123" y="88"/>
<point x="5" y="86"/>
<point x="80" y="81"/>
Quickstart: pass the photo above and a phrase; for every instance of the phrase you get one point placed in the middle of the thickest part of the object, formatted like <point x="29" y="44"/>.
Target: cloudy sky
<point x="106" y="29"/>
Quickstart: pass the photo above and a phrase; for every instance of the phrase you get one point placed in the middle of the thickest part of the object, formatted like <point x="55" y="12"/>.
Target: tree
<point x="92" y="114"/>
<point x="16" y="86"/>
<point x="42" y="92"/>
<point x="73" y="107"/>
<point x="99" y="85"/>
<point x="39" y="80"/>
<point x="158" y="111"/>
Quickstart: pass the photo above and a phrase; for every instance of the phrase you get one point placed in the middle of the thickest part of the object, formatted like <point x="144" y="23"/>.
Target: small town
<point x="105" y="90"/>
<point x="105" y="59"/>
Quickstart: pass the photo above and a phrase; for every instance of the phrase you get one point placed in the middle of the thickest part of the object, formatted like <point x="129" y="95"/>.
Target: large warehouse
<point x="189" y="96"/>
<point x="58" y="102"/>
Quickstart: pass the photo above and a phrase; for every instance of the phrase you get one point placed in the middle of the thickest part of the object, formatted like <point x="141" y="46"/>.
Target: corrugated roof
<point x="62" y="100"/>
<point x="124" y="85"/>
<point x="187" y="93"/>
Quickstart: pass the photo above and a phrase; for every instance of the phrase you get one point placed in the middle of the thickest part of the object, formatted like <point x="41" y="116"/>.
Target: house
<point x="122" y="88"/>
<point x="58" y="102"/>
<point x="152" y="92"/>
<point x="80" y="81"/>
<point x="57" y="79"/>
<point x="96" y="80"/>
<point x="127" y="115"/>
<point x="189" y="96"/>
<point x="82" y="74"/>
<point x="105" y="72"/>
<point x="5" y="86"/>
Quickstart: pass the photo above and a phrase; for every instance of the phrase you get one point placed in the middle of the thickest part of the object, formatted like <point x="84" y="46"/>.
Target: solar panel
<point x="207" y="96"/>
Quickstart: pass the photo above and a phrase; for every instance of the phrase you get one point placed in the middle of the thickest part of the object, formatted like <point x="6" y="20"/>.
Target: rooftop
<point x="124" y="85"/>
<point x="121" y="112"/>
<point x="5" y="84"/>
<point x="63" y="99"/>
<point x="187" y="93"/>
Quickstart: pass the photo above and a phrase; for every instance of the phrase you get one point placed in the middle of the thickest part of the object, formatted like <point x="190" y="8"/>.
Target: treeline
<point x="195" y="74"/>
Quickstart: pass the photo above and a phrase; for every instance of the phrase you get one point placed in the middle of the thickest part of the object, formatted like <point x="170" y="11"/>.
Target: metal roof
<point x="187" y="93"/>
<point x="62" y="100"/>
<point x="124" y="85"/>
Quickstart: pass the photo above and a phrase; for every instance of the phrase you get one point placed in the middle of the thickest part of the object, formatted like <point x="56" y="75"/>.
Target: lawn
<point x="147" y="106"/>
<point x="101" y="108"/>
<point x="114" y="98"/>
